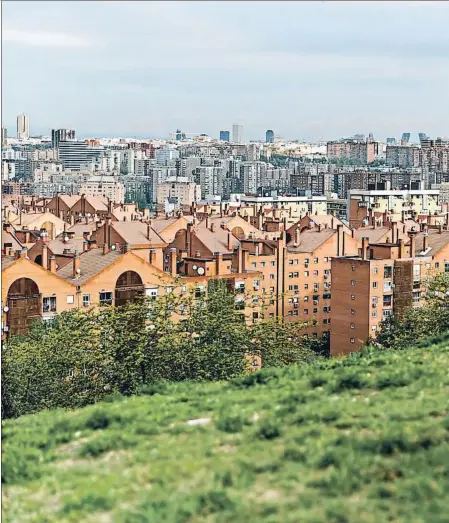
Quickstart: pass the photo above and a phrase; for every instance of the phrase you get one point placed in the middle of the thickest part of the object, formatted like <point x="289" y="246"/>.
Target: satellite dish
<point x="195" y="267"/>
<point x="200" y="271"/>
<point x="6" y="309"/>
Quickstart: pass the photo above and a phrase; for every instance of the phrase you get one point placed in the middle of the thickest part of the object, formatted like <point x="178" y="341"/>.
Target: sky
<point x="307" y="70"/>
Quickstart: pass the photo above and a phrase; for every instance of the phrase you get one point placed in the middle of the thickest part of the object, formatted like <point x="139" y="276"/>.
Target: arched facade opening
<point x="24" y="306"/>
<point x="38" y="259"/>
<point x="238" y="232"/>
<point x="50" y="228"/>
<point x="128" y="287"/>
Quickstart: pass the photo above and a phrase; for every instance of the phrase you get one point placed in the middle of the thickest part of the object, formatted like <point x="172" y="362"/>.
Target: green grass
<point x="364" y="439"/>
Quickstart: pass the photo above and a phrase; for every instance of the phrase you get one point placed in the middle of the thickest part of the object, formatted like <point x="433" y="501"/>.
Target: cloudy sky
<point x="315" y="70"/>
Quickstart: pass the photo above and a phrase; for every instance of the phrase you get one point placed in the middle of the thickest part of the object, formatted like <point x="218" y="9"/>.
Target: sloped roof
<point x="135" y="233"/>
<point x="373" y="234"/>
<point x="80" y="228"/>
<point x="97" y="202"/>
<point x="7" y="261"/>
<point x="91" y="263"/>
<point x="10" y="237"/>
<point x="311" y="240"/>
<point x="57" y="245"/>
<point x="216" y="241"/>
<point x="69" y="200"/>
<point x="436" y="241"/>
<point x="327" y="219"/>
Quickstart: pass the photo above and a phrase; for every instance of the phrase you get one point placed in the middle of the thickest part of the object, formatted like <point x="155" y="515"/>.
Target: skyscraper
<point x="23" y="127"/>
<point x="224" y="136"/>
<point x="237" y="133"/>
<point x="422" y="136"/>
<point x="405" y="137"/>
<point x="269" y="136"/>
<point x="61" y="135"/>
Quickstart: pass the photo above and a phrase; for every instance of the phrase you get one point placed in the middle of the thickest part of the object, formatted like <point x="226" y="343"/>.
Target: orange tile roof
<point x="91" y="263"/>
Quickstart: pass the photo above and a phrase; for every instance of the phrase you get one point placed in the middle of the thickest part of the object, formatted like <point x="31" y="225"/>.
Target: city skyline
<point x="325" y="81"/>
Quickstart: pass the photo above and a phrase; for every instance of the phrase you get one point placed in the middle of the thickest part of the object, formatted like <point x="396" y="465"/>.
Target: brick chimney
<point x="297" y="236"/>
<point x="394" y="232"/>
<point x="76" y="265"/>
<point x="207" y="222"/>
<point x="105" y="248"/>
<point x="426" y="239"/>
<point x="53" y="264"/>
<point x="44" y="256"/>
<point x="440" y="229"/>
<point x="401" y="248"/>
<point x="365" y="243"/>
<point x="212" y="227"/>
<point x="189" y="239"/>
<point x="218" y="262"/>
<point x="229" y="241"/>
<point x="340" y="240"/>
<point x="85" y="246"/>
<point x="148" y="231"/>
<point x="173" y="267"/>
<point x="412" y="236"/>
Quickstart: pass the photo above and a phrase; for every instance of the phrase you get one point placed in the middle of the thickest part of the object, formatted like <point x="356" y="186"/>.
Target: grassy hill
<point x="361" y="440"/>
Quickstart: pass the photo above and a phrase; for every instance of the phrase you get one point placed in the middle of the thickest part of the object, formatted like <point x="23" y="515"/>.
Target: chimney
<point x="353" y="232"/>
<point x="370" y="216"/>
<point x="85" y="246"/>
<point x="76" y="265"/>
<point x="108" y="227"/>
<point x="297" y="236"/>
<point x="401" y="248"/>
<point x="394" y="232"/>
<point x="426" y="239"/>
<point x="240" y="259"/>
<point x="365" y="242"/>
<point x="440" y="229"/>
<point x="105" y="248"/>
<point x="44" y="256"/>
<point x="260" y="221"/>
<point x="212" y="227"/>
<point x="229" y="241"/>
<point x="148" y="231"/>
<point x="125" y="248"/>
<point x="207" y="222"/>
<point x="218" y="262"/>
<point x="173" y="267"/>
<point x="412" y="236"/>
<point x="189" y="239"/>
<point x="340" y="240"/>
<point x="53" y="264"/>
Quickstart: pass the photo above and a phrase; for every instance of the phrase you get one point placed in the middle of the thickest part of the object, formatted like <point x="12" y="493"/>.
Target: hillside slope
<point x="359" y="440"/>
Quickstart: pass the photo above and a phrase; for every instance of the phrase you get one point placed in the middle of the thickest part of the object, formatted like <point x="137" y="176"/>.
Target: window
<point x="306" y="311"/>
<point x="352" y="296"/>
<point x="326" y="259"/>
<point x="315" y="287"/>
<point x="306" y="298"/>
<point x="271" y="276"/>
<point x="437" y="265"/>
<point x="315" y="273"/>
<point x="353" y="311"/>
<point x="374" y="314"/>
<point x="199" y="291"/>
<point x="290" y="262"/>
<point x="151" y="293"/>
<point x="86" y="300"/>
<point x="387" y="286"/>
<point x="352" y="340"/>
<point x="416" y="297"/>
<point x="387" y="312"/>
<point x="271" y="315"/>
<point x="388" y="271"/>
<point x="254" y="264"/>
<point x="49" y="304"/>
<point x="169" y="290"/>
<point x="256" y="285"/>
<point x="295" y="312"/>
<point x="327" y="272"/>
<point x="374" y="284"/>
<point x="327" y="296"/>
<point x="71" y="299"/>
<point x="255" y="317"/>
<point x="326" y="321"/>
<point x="387" y="300"/>
<point x="306" y="286"/>
<point x="105" y="298"/>
<point x="352" y="325"/>
<point x="374" y="301"/>
<point x="446" y="266"/>
<point x="271" y="289"/>
<point x="353" y="267"/>
<point x="375" y="270"/>
<point x="306" y="260"/>
<point x="315" y="260"/>
<point x="272" y="263"/>
<point x="262" y="264"/>
<point x="353" y="282"/>
<point x="306" y="274"/>
<point x="314" y="310"/>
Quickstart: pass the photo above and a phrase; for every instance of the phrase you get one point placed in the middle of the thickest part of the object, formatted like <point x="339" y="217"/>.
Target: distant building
<point x="269" y="136"/>
<point x="237" y="133"/>
<point x="180" y="188"/>
<point x="4" y="136"/>
<point x="224" y="136"/>
<point x="23" y="127"/>
<point x="405" y="138"/>
<point x="391" y="141"/>
<point x="59" y="135"/>
<point x="106" y="186"/>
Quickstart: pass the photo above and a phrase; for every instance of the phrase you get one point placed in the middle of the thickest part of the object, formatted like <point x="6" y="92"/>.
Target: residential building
<point x="224" y="136"/>
<point x="105" y="186"/>
<point x="181" y="188"/>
